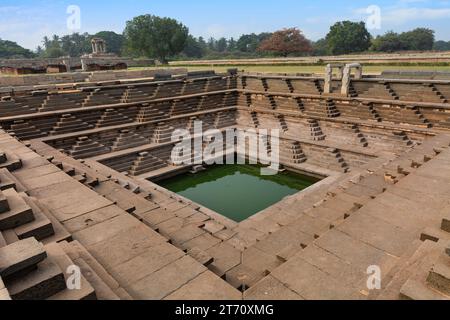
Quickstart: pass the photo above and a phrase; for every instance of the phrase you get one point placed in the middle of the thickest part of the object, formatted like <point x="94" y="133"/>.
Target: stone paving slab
<point x="355" y="252"/>
<point x="225" y="256"/>
<point x="270" y="288"/>
<point x="312" y="283"/>
<point x="105" y="230"/>
<point x="70" y="207"/>
<point x="36" y="172"/>
<point x="206" y="286"/>
<point x="92" y="218"/>
<point x="378" y="233"/>
<point x="142" y="265"/>
<point x="46" y="180"/>
<point x="167" y="280"/>
<point x="202" y="242"/>
<point x="124" y="244"/>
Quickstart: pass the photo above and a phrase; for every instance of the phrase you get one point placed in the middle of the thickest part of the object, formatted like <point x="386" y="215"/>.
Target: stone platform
<point x="76" y="192"/>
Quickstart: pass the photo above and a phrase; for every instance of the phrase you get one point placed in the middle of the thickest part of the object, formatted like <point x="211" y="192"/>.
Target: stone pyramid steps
<point x="163" y="133"/>
<point x="7" y="180"/>
<point x="11" y="108"/>
<point x="68" y="124"/>
<point x="19" y="257"/>
<point x="85" y="148"/>
<point x="19" y="212"/>
<point x="112" y="117"/>
<point x="86" y="291"/>
<point x="32" y="271"/>
<point x="106" y="287"/>
<point x="421" y="278"/>
<point x="24" y="130"/>
<point x="224" y="120"/>
<point x="44" y="281"/>
<point x="40" y="228"/>
<point x="145" y="163"/>
<point x="9" y="161"/>
<point x="128" y="139"/>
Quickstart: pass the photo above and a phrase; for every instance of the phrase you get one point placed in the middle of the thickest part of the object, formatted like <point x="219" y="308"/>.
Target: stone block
<point x="20" y="213"/>
<point x="206" y="286"/>
<point x="416" y="290"/>
<point x="40" y="228"/>
<point x="4" y="206"/>
<point x="20" y="255"/>
<point x="446" y="223"/>
<point x="201" y="256"/>
<point x="439" y="277"/>
<point x="39" y="284"/>
<point x="270" y="288"/>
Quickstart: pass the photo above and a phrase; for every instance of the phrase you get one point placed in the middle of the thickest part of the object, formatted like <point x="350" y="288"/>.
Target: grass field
<point x="310" y="69"/>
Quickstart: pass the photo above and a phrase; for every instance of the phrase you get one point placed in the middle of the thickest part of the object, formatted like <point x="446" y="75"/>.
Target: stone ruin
<point x="79" y="162"/>
<point x="98" y="60"/>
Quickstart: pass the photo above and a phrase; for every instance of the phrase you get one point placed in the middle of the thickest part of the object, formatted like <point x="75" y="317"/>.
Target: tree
<point x="75" y="45"/>
<point x="9" y="49"/>
<point x="348" y="37"/>
<point x="441" y="46"/>
<point x="212" y="44"/>
<point x="285" y="42"/>
<point x="114" y="41"/>
<point x="193" y="48"/>
<point x="222" y="45"/>
<point x="54" y="52"/>
<point x="157" y="37"/>
<point x="420" y="39"/>
<point x="250" y="42"/>
<point x="389" y="42"/>
<point x="320" y="47"/>
<point x="231" y="45"/>
<point x="46" y="42"/>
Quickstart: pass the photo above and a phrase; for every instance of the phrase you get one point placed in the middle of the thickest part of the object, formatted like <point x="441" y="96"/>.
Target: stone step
<point x="40" y="228"/>
<point x="60" y="232"/>
<point x="434" y="234"/>
<point x="19" y="214"/>
<point x="4" y="294"/>
<point x="439" y="275"/>
<point x="42" y="283"/>
<point x="20" y="256"/>
<point x="103" y="283"/>
<point x="65" y="263"/>
<point x="416" y="290"/>
<point x="415" y="269"/>
<point x="4" y="206"/>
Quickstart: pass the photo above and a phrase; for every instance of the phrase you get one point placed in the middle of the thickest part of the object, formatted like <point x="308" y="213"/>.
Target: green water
<point x="237" y="191"/>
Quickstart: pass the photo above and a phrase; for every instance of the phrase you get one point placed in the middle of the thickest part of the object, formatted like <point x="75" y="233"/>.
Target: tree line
<point x="165" y="38"/>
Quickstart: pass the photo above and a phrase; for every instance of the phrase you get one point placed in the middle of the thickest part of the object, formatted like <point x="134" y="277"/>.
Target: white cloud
<point x="403" y="15"/>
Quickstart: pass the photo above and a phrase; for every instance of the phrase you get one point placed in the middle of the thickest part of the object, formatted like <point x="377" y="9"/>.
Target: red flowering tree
<point x="285" y="42"/>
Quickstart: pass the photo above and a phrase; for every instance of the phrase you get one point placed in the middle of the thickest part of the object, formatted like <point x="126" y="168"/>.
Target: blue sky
<point x="27" y="21"/>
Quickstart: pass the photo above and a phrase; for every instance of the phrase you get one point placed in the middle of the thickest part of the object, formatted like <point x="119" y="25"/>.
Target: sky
<point x="28" y="21"/>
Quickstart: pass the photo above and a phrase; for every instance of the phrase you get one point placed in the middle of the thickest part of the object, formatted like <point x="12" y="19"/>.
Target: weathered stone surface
<point x="167" y="280"/>
<point x="20" y="255"/>
<point x="92" y="218"/>
<point x="152" y="260"/>
<point x="42" y="283"/>
<point x="206" y="286"/>
<point x="226" y="257"/>
<point x="86" y="291"/>
<point x="270" y="288"/>
<point x="19" y="212"/>
<point x="201" y="256"/>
